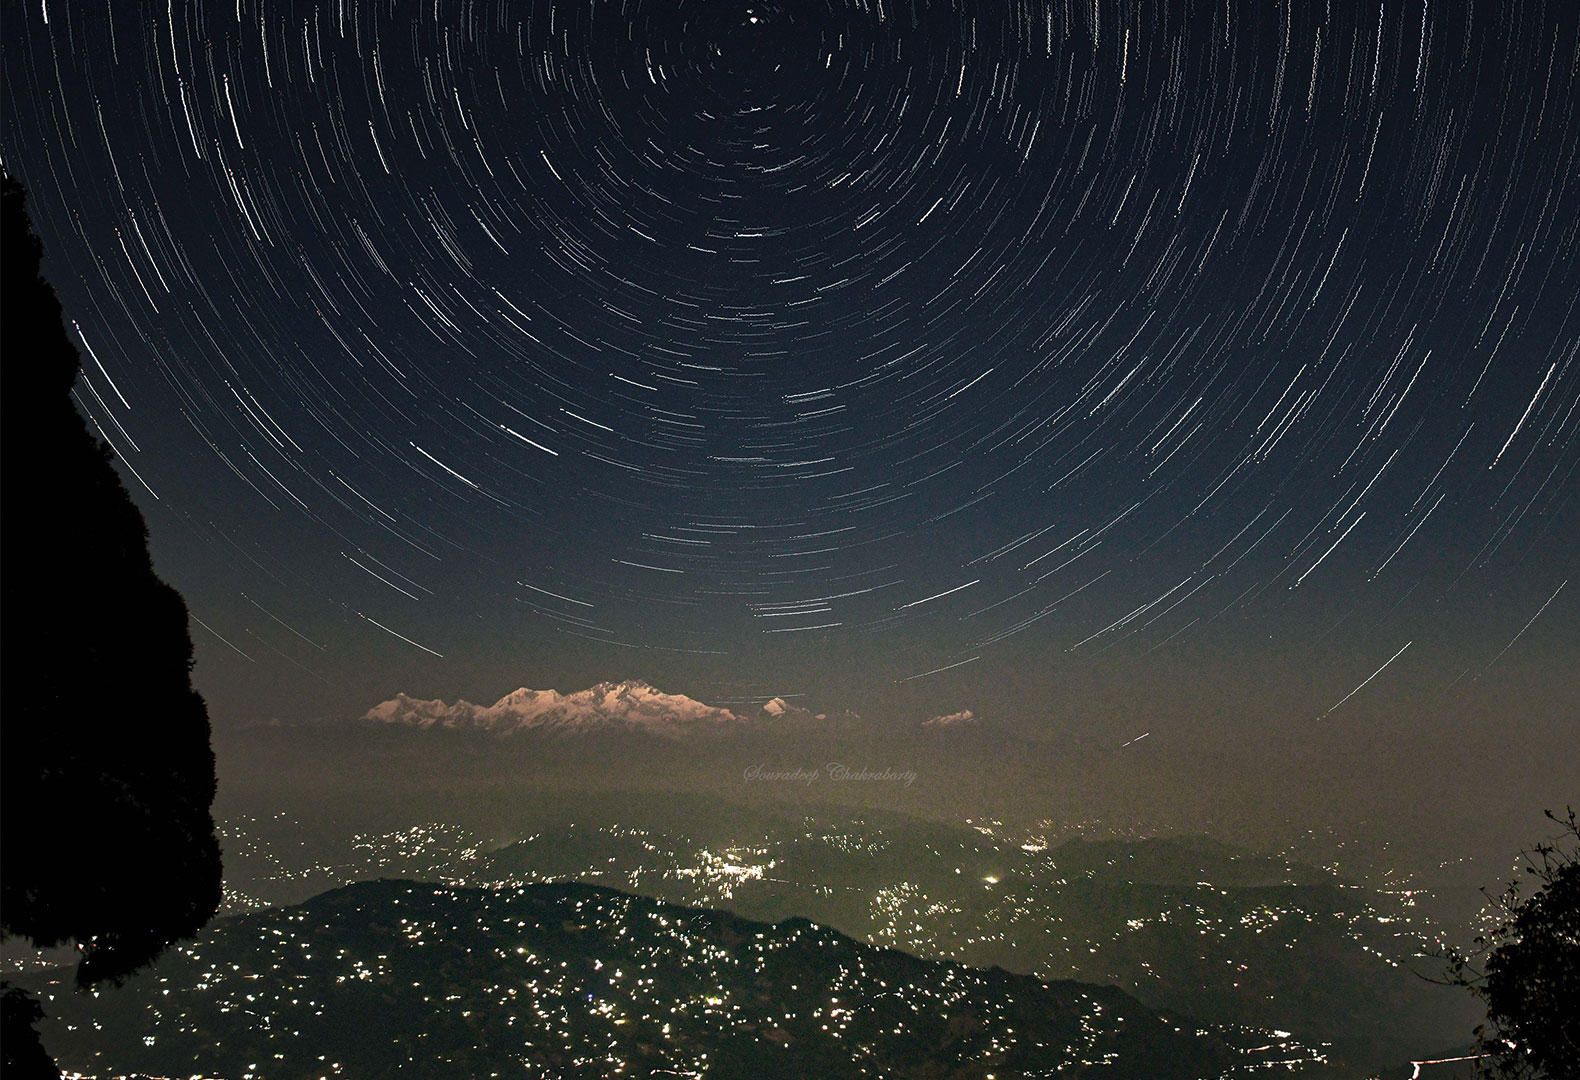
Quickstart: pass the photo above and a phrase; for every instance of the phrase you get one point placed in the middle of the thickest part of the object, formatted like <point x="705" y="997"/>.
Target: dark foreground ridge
<point x="399" y="978"/>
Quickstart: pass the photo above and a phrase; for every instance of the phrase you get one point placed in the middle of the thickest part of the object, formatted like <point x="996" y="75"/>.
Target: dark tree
<point x="106" y="772"/>
<point x="1527" y="970"/>
<point x="22" y="1057"/>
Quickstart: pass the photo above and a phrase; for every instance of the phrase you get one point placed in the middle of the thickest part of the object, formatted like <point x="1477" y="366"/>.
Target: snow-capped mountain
<point x="963" y="719"/>
<point x="779" y="715"/>
<point x="630" y="706"/>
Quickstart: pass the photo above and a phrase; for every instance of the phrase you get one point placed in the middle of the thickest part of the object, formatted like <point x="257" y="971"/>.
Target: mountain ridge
<point x="584" y="981"/>
<point x="630" y="705"/>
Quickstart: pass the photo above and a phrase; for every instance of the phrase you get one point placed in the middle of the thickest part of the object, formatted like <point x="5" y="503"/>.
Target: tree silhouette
<point x="22" y="1057"/>
<point x="1527" y="970"/>
<point x="106" y="772"/>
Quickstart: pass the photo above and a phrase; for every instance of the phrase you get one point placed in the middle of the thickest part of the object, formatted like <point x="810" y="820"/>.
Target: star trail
<point x="826" y="347"/>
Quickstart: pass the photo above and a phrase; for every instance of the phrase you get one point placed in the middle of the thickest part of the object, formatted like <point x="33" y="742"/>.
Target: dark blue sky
<point x="1084" y="359"/>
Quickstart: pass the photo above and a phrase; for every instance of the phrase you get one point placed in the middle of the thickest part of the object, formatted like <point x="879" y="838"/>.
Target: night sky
<point x="1096" y="366"/>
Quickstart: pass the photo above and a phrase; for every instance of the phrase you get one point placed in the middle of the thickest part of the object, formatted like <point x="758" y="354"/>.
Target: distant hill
<point x="1184" y="923"/>
<point x="396" y="978"/>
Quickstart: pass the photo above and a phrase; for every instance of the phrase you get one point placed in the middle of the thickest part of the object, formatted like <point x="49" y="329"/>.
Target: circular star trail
<point x="902" y="336"/>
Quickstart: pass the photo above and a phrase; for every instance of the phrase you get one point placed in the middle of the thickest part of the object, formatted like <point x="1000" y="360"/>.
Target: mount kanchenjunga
<point x="624" y="706"/>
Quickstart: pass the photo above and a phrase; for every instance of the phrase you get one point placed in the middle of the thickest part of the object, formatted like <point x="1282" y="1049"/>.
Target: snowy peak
<point x="777" y="714"/>
<point x="630" y="706"/>
<point x="403" y="709"/>
<point x="965" y="718"/>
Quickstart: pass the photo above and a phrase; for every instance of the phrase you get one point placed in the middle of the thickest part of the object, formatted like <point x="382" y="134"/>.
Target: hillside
<point x="1182" y="923"/>
<point x="396" y="978"/>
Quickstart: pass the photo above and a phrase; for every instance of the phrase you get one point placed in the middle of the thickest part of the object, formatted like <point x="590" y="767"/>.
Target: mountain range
<point x="630" y="706"/>
<point x="401" y="979"/>
<point x="1182" y="923"/>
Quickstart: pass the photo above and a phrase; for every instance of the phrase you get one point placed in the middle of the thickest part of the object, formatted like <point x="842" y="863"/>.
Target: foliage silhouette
<point x="1527" y="970"/>
<point x="22" y="1056"/>
<point x="106" y="772"/>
